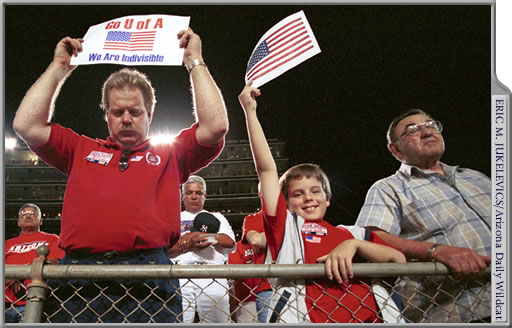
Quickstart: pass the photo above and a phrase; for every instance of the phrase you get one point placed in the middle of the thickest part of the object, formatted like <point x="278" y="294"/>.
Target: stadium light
<point x="160" y="139"/>
<point x="10" y="143"/>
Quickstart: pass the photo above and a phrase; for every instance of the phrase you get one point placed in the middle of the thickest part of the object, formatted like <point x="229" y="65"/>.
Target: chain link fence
<point x="414" y="292"/>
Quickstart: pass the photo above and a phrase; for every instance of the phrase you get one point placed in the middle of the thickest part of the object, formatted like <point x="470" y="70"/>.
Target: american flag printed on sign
<point x="284" y="46"/>
<point x="130" y="41"/>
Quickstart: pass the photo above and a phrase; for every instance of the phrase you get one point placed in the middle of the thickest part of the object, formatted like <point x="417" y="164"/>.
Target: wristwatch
<point x="431" y="251"/>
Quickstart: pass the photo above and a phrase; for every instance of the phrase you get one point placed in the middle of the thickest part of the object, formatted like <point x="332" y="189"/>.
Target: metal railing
<point x="435" y="295"/>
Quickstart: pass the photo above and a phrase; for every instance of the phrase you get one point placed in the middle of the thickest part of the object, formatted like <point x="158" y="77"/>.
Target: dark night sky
<point x="333" y="109"/>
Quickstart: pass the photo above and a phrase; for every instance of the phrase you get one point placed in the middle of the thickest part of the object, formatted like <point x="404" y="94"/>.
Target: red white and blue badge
<point x="136" y="158"/>
<point x="313" y="239"/>
<point x="314" y="229"/>
<point x="186" y="225"/>
<point x="99" y="157"/>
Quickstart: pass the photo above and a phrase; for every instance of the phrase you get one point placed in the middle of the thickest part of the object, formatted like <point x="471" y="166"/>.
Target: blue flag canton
<point x="261" y="52"/>
<point x="118" y="36"/>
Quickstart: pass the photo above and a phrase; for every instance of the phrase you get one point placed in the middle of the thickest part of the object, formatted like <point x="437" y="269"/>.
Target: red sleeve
<point x="8" y="244"/>
<point x="191" y="155"/>
<point x="235" y="257"/>
<point x="275" y="225"/>
<point x="59" y="150"/>
<point x="252" y="222"/>
<point x="55" y="250"/>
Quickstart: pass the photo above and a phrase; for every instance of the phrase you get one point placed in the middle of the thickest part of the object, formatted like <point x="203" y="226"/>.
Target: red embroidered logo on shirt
<point x="152" y="159"/>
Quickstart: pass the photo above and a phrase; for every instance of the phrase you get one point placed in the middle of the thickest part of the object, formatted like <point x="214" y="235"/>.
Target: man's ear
<point x="105" y="113"/>
<point x="395" y="151"/>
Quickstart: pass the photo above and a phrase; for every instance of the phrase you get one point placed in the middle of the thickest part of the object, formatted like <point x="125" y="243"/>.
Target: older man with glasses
<point x="22" y="250"/>
<point x="434" y="212"/>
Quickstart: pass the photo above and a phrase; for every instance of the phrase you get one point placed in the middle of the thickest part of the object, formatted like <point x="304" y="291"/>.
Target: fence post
<point x="37" y="288"/>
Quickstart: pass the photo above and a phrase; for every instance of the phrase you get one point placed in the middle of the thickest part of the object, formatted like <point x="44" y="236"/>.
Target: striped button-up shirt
<point x="426" y="206"/>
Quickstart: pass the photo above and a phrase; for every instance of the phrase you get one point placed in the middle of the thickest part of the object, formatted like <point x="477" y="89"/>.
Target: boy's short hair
<point x="305" y="170"/>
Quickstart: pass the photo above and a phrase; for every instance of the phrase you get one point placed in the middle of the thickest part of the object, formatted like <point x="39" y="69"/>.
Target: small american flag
<point x="130" y="41"/>
<point x="284" y="46"/>
<point x="313" y="239"/>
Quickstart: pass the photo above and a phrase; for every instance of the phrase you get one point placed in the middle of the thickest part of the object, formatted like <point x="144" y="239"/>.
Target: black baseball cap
<point x="206" y="222"/>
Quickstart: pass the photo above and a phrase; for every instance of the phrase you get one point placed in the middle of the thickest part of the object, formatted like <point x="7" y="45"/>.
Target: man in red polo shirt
<point x="22" y="250"/>
<point x="122" y="202"/>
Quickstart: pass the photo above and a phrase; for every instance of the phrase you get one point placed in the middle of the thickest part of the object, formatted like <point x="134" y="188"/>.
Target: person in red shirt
<point x="122" y="202"/>
<point x="293" y="213"/>
<point x="22" y="250"/>
<point x="243" y="305"/>
<point x="253" y="235"/>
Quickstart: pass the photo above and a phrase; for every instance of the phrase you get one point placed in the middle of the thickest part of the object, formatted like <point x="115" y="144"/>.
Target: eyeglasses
<point x="413" y="130"/>
<point x="26" y="213"/>
<point x="123" y="161"/>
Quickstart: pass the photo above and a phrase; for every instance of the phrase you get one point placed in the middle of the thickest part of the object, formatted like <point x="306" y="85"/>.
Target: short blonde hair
<point x="129" y="77"/>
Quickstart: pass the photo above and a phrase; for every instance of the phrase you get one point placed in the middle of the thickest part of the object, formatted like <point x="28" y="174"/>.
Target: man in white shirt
<point x="206" y="238"/>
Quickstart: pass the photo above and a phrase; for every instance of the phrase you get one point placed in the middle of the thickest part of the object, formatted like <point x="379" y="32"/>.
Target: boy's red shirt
<point x="327" y="301"/>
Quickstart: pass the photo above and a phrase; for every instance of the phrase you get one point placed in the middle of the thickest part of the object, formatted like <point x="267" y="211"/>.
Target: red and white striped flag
<point x="284" y="46"/>
<point x="130" y="41"/>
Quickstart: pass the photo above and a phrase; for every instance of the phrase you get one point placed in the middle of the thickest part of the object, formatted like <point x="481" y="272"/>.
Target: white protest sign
<point x="134" y="40"/>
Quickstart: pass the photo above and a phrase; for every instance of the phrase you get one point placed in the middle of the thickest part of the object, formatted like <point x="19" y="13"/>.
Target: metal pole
<point x="232" y="271"/>
<point x="37" y="288"/>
